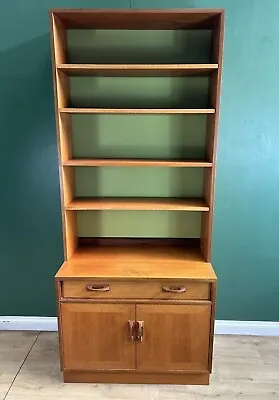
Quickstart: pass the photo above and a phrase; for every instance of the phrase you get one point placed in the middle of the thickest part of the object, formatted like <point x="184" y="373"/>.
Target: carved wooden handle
<point x="132" y="330"/>
<point x="140" y="330"/>
<point x="98" y="288"/>
<point x="173" y="289"/>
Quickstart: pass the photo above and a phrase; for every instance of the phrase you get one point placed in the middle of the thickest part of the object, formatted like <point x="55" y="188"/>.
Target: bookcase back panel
<point x="138" y="46"/>
<point x="139" y="136"/>
<point x="158" y="224"/>
<point x="139" y="92"/>
<point x="138" y="182"/>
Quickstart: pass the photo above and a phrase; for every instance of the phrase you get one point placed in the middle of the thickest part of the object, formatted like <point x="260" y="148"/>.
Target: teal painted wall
<point x="246" y="223"/>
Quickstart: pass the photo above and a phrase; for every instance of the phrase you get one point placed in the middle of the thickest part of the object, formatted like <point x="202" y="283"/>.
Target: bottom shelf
<point x="137" y="261"/>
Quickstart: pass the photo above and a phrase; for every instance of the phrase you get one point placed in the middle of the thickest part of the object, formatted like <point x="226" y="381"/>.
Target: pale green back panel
<point x="138" y="46"/>
<point x="144" y="136"/>
<point x="139" y="92"/>
<point x="139" y="136"/>
<point x="174" y="224"/>
<point x="139" y="182"/>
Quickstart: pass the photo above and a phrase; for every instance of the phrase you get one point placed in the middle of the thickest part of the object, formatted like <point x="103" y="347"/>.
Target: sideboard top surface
<point x="130" y="262"/>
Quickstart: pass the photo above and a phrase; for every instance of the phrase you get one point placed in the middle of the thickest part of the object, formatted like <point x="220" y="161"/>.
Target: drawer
<point x="180" y="290"/>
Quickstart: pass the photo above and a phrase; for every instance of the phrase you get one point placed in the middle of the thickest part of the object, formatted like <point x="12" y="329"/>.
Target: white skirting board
<point x="255" y="328"/>
<point x="28" y="324"/>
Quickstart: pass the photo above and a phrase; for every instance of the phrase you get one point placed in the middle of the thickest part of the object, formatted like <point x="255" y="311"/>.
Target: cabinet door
<point x="175" y="337"/>
<point x="96" y="336"/>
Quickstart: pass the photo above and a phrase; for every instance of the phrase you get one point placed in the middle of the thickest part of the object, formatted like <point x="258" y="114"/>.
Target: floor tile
<point x="224" y="391"/>
<point x="14" y="347"/>
<point x="235" y="347"/>
<point x="268" y="348"/>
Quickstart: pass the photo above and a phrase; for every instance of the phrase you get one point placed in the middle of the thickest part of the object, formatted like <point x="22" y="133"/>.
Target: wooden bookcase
<point x="137" y="98"/>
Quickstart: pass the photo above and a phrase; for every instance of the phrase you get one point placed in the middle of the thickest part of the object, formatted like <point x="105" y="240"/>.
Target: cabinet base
<point x="136" y="377"/>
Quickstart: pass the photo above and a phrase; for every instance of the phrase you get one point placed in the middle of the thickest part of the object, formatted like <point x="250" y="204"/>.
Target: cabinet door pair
<point x="97" y="336"/>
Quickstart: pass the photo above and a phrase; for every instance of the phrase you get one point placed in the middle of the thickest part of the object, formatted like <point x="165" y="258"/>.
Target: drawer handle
<point x="173" y="289"/>
<point x="98" y="288"/>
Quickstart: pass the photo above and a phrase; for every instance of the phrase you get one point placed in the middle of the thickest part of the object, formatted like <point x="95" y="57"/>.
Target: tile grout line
<point x="21" y="365"/>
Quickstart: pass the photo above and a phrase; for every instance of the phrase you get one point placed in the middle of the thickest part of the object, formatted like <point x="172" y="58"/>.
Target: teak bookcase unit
<point x="137" y="108"/>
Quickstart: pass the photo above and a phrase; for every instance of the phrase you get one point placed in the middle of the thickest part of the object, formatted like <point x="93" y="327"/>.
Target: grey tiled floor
<point x="245" y="367"/>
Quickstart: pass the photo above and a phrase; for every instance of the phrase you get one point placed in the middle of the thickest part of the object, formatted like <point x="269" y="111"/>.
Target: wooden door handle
<point x="132" y="330"/>
<point x="173" y="289"/>
<point x="140" y="330"/>
<point x="98" y="288"/>
<point x="136" y="330"/>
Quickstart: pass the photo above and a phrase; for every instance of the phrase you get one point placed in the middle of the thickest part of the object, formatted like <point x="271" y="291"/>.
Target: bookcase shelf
<point x="168" y="204"/>
<point x="137" y="69"/>
<point x="137" y="110"/>
<point x="88" y="162"/>
<point x="136" y="91"/>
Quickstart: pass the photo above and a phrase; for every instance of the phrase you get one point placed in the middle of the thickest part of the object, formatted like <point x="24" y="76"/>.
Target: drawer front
<point x="181" y="290"/>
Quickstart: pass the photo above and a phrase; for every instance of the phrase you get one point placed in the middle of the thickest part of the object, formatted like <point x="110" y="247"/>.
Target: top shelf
<point x="138" y="19"/>
<point x="137" y="69"/>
